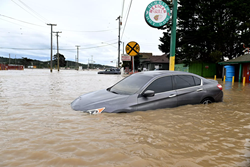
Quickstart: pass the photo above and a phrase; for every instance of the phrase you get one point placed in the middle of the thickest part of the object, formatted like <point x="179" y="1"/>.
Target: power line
<point x="45" y="20"/>
<point x="20" y="20"/>
<point x="127" y="17"/>
<point x="91" y="31"/>
<point x="62" y="29"/>
<point x="26" y="10"/>
<point x="94" y="46"/>
<point x="20" y="25"/>
<point x="60" y="48"/>
<point x="25" y="48"/>
<point x="122" y="9"/>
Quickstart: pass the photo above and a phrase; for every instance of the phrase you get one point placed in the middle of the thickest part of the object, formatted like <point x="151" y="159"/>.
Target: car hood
<point x="98" y="99"/>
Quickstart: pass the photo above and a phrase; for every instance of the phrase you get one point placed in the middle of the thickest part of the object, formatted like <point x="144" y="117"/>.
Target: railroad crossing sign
<point x="132" y="48"/>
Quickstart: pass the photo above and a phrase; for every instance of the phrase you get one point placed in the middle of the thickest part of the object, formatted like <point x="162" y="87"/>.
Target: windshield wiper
<point x="114" y="92"/>
<point x="109" y="89"/>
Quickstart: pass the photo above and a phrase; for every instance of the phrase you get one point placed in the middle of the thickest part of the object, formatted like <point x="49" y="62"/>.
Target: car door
<point x="164" y="97"/>
<point x="189" y="89"/>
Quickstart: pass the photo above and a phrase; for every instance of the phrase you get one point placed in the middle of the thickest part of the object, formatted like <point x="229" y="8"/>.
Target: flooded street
<point x="39" y="128"/>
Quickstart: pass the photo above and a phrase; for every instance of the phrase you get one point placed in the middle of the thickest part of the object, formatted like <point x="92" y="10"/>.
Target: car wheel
<point x="207" y="101"/>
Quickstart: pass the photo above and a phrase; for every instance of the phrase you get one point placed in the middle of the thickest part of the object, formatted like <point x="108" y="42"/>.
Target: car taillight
<point x="219" y="86"/>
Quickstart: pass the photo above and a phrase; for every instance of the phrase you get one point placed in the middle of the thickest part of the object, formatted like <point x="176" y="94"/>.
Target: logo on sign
<point x="157" y="14"/>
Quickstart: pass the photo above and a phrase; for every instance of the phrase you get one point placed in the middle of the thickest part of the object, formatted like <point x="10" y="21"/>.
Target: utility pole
<point x="75" y="62"/>
<point x="9" y="58"/>
<point x="119" y="29"/>
<point x="51" y="51"/>
<point x="77" y="58"/>
<point x="88" y="64"/>
<point x="92" y="62"/>
<point x="123" y="47"/>
<point x="57" y="49"/>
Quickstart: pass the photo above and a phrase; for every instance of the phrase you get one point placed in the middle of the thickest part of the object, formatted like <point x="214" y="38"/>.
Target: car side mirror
<point x="148" y="93"/>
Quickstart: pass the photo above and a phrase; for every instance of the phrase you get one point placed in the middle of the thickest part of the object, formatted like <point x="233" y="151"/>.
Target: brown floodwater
<point x="39" y="128"/>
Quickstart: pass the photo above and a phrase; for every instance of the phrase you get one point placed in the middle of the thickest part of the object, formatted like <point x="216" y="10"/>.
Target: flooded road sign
<point x="132" y="48"/>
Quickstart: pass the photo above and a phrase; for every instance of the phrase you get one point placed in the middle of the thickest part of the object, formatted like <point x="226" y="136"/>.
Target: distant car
<point x="111" y="71"/>
<point x="151" y="90"/>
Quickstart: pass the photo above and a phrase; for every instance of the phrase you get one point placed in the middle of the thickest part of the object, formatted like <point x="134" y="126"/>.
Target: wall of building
<point x="207" y="70"/>
<point x="246" y="72"/>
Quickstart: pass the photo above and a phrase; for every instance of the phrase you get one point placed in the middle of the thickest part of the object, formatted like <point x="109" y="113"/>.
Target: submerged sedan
<point x="110" y="71"/>
<point x="151" y="90"/>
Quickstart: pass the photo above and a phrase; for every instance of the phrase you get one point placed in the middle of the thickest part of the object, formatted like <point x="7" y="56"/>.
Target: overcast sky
<point x="91" y="24"/>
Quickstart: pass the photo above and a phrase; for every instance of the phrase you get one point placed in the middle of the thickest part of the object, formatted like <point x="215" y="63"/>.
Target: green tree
<point x="26" y="62"/>
<point x="62" y="62"/>
<point x="209" y="30"/>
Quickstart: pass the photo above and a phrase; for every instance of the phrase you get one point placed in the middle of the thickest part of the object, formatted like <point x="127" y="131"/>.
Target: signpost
<point x="157" y="14"/>
<point x="132" y="49"/>
<point x="173" y="37"/>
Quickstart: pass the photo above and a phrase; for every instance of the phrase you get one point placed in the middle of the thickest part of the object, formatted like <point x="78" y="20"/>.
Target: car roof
<point x="163" y="73"/>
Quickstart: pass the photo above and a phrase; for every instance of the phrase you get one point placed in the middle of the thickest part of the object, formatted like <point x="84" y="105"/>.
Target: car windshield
<point x="130" y="85"/>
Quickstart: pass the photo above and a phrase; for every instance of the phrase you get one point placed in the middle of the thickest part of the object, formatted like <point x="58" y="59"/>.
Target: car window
<point x="197" y="81"/>
<point x="184" y="81"/>
<point x="130" y="84"/>
<point x="162" y="84"/>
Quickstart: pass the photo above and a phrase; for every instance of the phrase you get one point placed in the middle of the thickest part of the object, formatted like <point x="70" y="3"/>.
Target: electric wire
<point x="21" y="21"/>
<point x="122" y="9"/>
<point x="126" y="18"/>
<point x="10" y="22"/>
<point x="20" y="26"/>
<point x="55" y="48"/>
<point x="90" y="31"/>
<point x="26" y="10"/>
<point x="99" y="43"/>
<point x="45" y="20"/>
<point x="62" y="29"/>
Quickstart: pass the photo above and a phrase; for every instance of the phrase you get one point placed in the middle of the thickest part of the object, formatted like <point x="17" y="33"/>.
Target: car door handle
<point x="198" y="90"/>
<point x="173" y="95"/>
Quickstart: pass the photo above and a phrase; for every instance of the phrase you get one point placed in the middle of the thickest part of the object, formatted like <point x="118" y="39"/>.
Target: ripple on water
<point x="38" y="127"/>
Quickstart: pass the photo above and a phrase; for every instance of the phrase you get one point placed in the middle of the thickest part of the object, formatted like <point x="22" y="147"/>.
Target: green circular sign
<point x="157" y="14"/>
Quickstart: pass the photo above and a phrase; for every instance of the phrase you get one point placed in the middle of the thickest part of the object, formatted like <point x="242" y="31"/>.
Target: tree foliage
<point x="62" y="62"/>
<point x="209" y="30"/>
<point x="26" y="61"/>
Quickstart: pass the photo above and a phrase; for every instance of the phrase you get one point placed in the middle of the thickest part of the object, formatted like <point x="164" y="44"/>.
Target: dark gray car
<point x="110" y="71"/>
<point x="151" y="90"/>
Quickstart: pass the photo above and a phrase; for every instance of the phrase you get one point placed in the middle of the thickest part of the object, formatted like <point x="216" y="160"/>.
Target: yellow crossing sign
<point x="132" y="48"/>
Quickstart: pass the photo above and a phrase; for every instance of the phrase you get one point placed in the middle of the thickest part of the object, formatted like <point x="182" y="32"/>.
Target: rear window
<point x="184" y="81"/>
<point x="197" y="81"/>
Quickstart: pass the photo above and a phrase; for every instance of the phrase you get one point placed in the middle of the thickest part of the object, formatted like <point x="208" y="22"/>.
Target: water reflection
<point x="228" y="85"/>
<point x="38" y="127"/>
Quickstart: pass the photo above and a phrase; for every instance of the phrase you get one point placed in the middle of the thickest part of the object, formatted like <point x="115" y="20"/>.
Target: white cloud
<point x="75" y="18"/>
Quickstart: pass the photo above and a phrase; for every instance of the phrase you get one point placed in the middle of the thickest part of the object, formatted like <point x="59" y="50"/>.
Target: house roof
<point x="158" y="59"/>
<point x="145" y="55"/>
<point x="241" y="59"/>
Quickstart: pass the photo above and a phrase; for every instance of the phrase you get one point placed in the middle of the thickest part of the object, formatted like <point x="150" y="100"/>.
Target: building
<point x="152" y="62"/>
<point x="241" y="66"/>
<point x="11" y="67"/>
